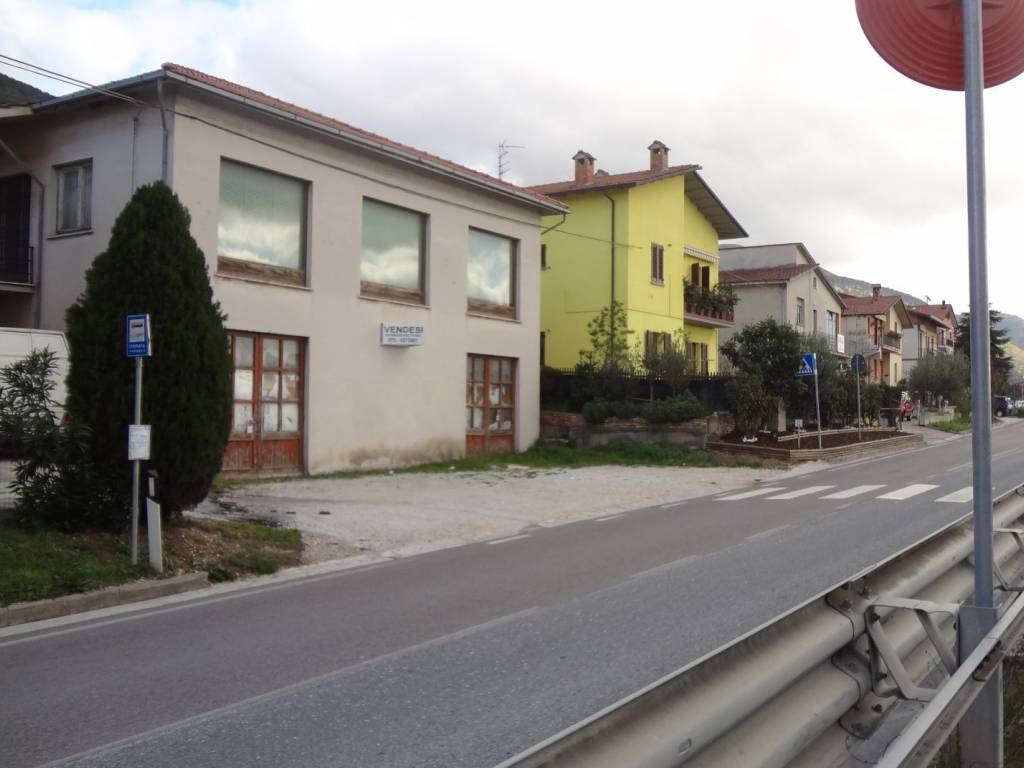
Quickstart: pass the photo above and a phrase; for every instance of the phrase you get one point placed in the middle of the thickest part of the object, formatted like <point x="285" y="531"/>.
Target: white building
<point x="322" y="240"/>
<point x="783" y="282"/>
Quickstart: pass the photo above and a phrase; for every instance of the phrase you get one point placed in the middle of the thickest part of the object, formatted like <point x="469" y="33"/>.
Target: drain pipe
<point x="611" y="306"/>
<point x="163" y="122"/>
<point x="37" y="308"/>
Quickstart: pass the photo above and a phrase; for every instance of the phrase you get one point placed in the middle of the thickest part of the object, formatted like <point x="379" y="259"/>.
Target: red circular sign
<point x="923" y="39"/>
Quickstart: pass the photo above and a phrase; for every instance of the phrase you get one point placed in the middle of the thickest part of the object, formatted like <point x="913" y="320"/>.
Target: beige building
<point x="933" y="332"/>
<point x="874" y="328"/>
<point x="383" y="302"/>
<point x="783" y="282"/>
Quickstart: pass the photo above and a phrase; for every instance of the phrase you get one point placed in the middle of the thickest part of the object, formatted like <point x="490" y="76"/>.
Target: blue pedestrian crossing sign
<point x="808" y="365"/>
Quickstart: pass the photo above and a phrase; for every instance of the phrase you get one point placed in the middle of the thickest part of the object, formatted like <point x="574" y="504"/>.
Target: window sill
<point x="261" y="281"/>
<point x="63" y="235"/>
<point x="658" y="282"/>
<point x="489" y="316"/>
<point x="388" y="300"/>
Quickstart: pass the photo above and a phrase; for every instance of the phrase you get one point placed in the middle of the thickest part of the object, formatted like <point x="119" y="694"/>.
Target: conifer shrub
<point x="152" y="265"/>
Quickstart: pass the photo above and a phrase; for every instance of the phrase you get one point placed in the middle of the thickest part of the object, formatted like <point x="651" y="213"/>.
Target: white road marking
<point x="911" y="490"/>
<point x="959" y="497"/>
<point x="509" y="538"/>
<point x="801" y="492"/>
<point x="849" y="493"/>
<point x="749" y="494"/>
<point x="673" y="504"/>
<point x="608" y="517"/>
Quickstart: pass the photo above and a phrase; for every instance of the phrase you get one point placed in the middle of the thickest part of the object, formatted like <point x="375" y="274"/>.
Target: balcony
<point x="945" y="348"/>
<point x="709" y="307"/>
<point x="16" y="265"/>
<point x="892" y="341"/>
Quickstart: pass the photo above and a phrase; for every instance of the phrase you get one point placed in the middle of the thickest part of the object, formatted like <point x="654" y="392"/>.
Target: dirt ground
<point x="405" y="514"/>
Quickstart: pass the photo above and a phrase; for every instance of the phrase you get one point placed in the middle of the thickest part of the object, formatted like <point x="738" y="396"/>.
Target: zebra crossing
<point x="834" y="493"/>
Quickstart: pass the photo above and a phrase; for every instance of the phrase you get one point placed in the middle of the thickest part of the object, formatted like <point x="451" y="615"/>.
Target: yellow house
<point x="646" y="239"/>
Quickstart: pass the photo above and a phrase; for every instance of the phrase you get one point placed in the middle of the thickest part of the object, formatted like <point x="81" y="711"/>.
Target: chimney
<point x="584" y="167"/>
<point x="659" y="156"/>
<point x="876" y="291"/>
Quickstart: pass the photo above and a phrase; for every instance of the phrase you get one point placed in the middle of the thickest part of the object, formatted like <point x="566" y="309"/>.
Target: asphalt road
<point x="464" y="657"/>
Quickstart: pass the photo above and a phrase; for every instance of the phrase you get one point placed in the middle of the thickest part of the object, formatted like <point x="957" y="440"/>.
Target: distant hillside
<point x="16" y="92"/>
<point x="1013" y="324"/>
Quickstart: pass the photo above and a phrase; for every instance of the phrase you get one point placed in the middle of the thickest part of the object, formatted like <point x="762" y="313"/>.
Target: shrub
<point x="54" y="481"/>
<point x="752" y="403"/>
<point x="152" y="265"/>
<point x="669" y="411"/>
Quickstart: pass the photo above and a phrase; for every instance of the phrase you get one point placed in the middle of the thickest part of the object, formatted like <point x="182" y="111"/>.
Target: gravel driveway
<point x="405" y="514"/>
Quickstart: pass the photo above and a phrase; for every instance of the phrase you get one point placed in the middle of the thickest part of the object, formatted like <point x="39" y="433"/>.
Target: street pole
<point x="817" y="400"/>
<point x="136" y="466"/>
<point x="981" y="730"/>
<point x="856" y="373"/>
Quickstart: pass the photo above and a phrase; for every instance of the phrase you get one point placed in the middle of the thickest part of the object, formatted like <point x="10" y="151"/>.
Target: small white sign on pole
<point x="401" y="334"/>
<point x="138" y="442"/>
<point x="840" y="344"/>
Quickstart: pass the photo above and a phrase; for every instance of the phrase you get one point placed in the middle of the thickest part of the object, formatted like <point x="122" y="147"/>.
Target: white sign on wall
<point x="840" y="344"/>
<point x="401" y="334"/>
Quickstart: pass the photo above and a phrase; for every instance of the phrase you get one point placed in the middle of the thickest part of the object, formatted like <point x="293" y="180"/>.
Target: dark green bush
<point x="152" y="265"/>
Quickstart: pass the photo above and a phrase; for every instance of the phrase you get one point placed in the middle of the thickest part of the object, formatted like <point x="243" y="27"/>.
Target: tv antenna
<point x="503" y="153"/>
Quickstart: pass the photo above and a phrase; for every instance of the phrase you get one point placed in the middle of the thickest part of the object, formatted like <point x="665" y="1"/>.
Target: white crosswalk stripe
<point x="908" y="491"/>
<point x="801" y="492"/>
<point x="849" y="493"/>
<point x="959" y="497"/>
<point x="749" y="494"/>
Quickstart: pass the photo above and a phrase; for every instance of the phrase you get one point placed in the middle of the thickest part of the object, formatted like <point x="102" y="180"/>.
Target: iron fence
<point x="16" y="263"/>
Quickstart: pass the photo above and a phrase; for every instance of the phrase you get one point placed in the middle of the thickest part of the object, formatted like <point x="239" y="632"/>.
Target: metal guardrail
<point x="811" y="687"/>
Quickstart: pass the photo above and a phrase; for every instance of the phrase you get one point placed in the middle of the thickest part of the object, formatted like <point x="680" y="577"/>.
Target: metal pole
<point x="982" y="728"/>
<point x="857" y="374"/>
<point x="817" y="400"/>
<point x="136" y="465"/>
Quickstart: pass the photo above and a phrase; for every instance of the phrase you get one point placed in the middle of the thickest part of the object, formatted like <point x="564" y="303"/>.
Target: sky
<point x="803" y="132"/>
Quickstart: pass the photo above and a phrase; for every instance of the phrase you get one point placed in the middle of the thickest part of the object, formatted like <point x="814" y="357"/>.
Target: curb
<point x="133" y="592"/>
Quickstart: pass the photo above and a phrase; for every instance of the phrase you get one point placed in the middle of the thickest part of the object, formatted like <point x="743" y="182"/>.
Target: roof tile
<point x="763" y="274"/>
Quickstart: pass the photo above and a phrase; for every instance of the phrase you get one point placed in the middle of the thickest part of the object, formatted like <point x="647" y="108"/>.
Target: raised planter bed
<point x="573" y="428"/>
<point x="839" y="445"/>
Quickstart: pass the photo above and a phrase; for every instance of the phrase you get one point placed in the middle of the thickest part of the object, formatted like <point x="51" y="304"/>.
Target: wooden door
<point x="490" y="404"/>
<point x="266" y="420"/>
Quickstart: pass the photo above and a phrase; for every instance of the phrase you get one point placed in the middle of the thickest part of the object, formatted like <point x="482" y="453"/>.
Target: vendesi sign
<point x="401" y="334"/>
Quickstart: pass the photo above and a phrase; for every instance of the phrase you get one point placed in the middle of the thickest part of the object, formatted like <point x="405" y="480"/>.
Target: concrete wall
<point x="756" y="303"/>
<point x="751" y="256"/>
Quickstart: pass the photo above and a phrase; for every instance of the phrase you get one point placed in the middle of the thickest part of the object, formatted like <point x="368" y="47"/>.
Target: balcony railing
<point x="16" y="264"/>
<point x="714" y="304"/>
<point x="892" y="341"/>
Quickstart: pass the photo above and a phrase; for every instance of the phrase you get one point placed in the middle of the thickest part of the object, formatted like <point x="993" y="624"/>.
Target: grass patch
<point x="36" y="563"/>
<point x="952" y="425"/>
<point x="242" y="531"/>
<point x="540" y="456"/>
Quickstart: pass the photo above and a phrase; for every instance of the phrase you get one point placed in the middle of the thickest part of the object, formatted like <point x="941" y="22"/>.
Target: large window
<point x="491" y="274"/>
<point x="800" y="312"/>
<point x="74" y="197"/>
<point x="262" y="226"/>
<point x="393" y="251"/>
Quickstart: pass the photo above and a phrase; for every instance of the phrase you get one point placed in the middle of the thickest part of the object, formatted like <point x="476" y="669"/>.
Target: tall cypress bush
<point x="152" y="265"/>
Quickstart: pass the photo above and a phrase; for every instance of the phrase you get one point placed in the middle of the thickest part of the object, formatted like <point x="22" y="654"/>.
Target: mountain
<point x="16" y="92"/>
<point x="1012" y="324"/>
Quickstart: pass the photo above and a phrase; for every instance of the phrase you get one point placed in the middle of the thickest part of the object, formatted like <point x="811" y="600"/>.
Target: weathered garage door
<point x="266" y="421"/>
<point x="490" y="404"/>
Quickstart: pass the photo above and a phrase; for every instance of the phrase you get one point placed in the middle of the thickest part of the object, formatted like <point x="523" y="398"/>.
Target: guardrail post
<point x="981" y="729"/>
